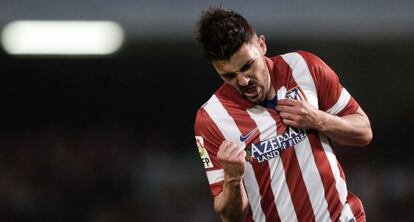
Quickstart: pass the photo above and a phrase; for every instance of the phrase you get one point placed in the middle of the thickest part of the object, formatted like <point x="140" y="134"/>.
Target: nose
<point x="243" y="80"/>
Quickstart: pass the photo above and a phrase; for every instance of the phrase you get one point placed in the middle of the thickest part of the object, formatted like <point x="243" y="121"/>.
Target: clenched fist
<point x="232" y="159"/>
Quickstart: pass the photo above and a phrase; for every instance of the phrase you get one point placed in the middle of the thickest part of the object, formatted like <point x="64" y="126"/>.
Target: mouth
<point x="251" y="91"/>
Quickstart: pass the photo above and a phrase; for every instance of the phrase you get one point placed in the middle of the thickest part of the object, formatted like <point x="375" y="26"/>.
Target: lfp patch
<point x="205" y="158"/>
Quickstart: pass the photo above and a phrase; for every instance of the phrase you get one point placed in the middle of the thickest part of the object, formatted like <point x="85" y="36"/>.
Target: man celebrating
<point x="264" y="135"/>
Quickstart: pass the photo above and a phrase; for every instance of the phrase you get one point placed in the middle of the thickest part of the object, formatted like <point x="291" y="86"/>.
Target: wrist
<point x="323" y="122"/>
<point x="233" y="179"/>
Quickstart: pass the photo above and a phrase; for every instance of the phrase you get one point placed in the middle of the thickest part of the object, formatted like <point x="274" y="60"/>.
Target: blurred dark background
<point x="110" y="138"/>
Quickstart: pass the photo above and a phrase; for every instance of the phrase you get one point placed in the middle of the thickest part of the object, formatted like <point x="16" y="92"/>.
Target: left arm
<point x="350" y="129"/>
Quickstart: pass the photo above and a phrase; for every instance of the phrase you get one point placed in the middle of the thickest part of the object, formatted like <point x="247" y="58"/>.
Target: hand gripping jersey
<point x="293" y="174"/>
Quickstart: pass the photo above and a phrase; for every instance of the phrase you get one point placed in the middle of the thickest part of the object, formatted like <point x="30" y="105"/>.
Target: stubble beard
<point x="264" y="90"/>
<point x="260" y="98"/>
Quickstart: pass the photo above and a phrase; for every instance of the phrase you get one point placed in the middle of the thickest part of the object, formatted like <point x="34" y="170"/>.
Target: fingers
<point x="295" y="107"/>
<point x="293" y="112"/>
<point x="290" y="119"/>
<point x="287" y="115"/>
<point x="287" y="102"/>
<point x="230" y="151"/>
<point x="286" y="105"/>
<point x="290" y="122"/>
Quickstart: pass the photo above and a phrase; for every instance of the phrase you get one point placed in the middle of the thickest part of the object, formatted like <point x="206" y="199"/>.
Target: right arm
<point x="232" y="203"/>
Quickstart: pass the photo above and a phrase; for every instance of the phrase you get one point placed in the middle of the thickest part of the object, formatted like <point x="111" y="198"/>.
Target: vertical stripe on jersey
<point x="261" y="171"/>
<point x="223" y="120"/>
<point x="324" y="166"/>
<point x="297" y="187"/>
<point x="340" y="183"/>
<point x="263" y="177"/>
<point x="312" y="178"/>
<point x="253" y="193"/>
<point x="231" y="132"/>
<point x="341" y="103"/>
<point x="282" y="199"/>
<point x="302" y="76"/>
<point x="310" y="183"/>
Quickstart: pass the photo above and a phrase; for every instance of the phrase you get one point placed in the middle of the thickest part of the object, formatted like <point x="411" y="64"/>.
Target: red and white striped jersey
<point x="293" y="174"/>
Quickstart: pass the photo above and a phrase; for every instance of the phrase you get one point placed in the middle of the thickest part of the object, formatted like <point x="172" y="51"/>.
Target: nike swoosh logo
<point x="248" y="135"/>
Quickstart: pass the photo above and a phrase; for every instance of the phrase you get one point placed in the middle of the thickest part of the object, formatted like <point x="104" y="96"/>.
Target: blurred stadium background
<point x="110" y="138"/>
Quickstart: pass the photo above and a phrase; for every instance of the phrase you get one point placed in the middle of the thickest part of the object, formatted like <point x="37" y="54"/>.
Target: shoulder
<point x="207" y="122"/>
<point x="208" y="110"/>
<point x="214" y="100"/>
<point x="302" y="62"/>
<point x="202" y="115"/>
<point x="301" y="56"/>
<point x="217" y="108"/>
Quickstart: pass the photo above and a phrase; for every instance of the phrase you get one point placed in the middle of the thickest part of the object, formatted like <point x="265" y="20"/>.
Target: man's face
<point x="246" y="70"/>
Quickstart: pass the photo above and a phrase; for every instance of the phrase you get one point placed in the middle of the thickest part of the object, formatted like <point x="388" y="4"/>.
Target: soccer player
<point x="264" y="135"/>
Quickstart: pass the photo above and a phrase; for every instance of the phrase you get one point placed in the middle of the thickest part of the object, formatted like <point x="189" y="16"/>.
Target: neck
<point x="271" y="93"/>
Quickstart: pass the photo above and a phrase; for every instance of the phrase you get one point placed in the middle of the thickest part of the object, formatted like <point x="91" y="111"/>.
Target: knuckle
<point x="243" y="154"/>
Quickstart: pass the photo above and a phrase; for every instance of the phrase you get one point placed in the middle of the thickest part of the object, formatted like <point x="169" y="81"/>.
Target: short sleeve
<point x="208" y="140"/>
<point x="332" y="96"/>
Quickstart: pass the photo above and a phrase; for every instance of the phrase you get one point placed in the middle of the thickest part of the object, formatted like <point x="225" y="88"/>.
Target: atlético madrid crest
<point x="293" y="93"/>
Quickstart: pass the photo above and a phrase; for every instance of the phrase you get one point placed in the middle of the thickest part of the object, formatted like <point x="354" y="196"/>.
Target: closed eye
<point x="247" y="66"/>
<point x="229" y="76"/>
<point x="232" y="75"/>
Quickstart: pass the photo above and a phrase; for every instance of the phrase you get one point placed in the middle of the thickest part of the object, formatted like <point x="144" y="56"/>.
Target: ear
<point x="262" y="44"/>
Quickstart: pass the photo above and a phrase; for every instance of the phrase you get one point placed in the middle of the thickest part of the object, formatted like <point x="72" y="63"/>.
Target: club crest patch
<point x="205" y="158"/>
<point x="295" y="93"/>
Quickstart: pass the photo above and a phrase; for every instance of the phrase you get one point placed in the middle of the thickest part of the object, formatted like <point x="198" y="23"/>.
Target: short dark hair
<point x="222" y="32"/>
